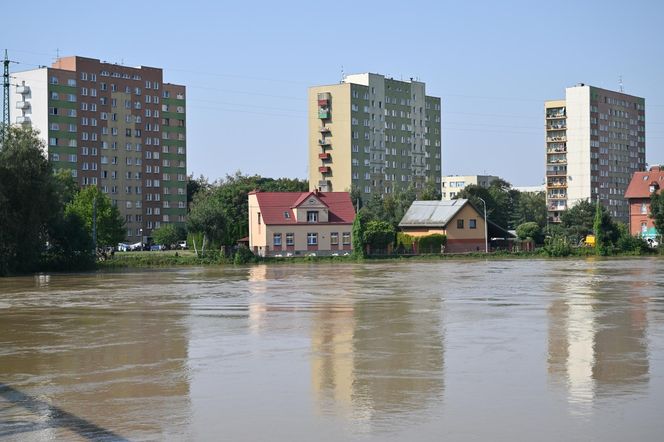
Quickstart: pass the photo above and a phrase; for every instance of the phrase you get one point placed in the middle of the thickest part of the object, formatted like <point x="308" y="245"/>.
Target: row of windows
<point x="312" y="239"/>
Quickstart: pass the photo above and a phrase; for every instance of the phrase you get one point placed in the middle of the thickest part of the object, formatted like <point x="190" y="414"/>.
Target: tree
<point x="529" y="207"/>
<point x="601" y="246"/>
<point x="530" y="231"/>
<point x="657" y="211"/>
<point x="109" y="222"/>
<point x="167" y="235"/>
<point x="430" y="192"/>
<point x="358" y="235"/>
<point x="207" y="217"/>
<point x="28" y="201"/>
<point x="578" y="220"/>
<point x="378" y="235"/>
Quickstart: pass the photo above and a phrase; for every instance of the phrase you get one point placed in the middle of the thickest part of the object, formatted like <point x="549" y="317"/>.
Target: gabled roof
<point x="274" y="205"/>
<point x="639" y="186"/>
<point x="432" y="213"/>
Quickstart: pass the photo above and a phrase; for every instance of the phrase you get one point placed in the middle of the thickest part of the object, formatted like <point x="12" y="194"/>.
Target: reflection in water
<point x="597" y="334"/>
<point x="373" y="358"/>
<point x="118" y="368"/>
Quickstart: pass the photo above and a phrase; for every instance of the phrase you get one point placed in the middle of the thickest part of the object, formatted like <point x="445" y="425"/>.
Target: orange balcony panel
<point x="324" y="169"/>
<point x="324" y="156"/>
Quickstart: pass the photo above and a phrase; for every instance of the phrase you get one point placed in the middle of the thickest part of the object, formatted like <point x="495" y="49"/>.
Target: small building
<point x="300" y="223"/>
<point x="453" y="184"/>
<point x="458" y="219"/>
<point x="642" y="185"/>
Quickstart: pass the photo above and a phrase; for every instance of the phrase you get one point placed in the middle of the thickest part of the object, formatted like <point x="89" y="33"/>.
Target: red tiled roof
<point x="273" y="205"/>
<point x="639" y="187"/>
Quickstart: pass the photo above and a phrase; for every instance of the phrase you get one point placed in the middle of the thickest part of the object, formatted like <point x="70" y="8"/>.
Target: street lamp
<point x="486" y="236"/>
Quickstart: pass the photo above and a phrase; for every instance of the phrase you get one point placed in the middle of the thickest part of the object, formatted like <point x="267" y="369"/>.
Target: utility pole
<point x="94" y="223"/>
<point x="5" y="97"/>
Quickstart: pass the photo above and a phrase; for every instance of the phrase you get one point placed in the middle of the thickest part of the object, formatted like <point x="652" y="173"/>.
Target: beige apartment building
<point x="116" y="127"/>
<point x="374" y="134"/>
<point x="595" y="141"/>
<point x="453" y="184"/>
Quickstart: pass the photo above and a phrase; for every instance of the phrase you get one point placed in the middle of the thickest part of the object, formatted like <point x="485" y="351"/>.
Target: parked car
<point x="182" y="245"/>
<point x="124" y="247"/>
<point x="157" y="247"/>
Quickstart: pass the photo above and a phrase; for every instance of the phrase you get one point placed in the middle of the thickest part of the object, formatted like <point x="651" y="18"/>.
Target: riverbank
<point x="188" y="258"/>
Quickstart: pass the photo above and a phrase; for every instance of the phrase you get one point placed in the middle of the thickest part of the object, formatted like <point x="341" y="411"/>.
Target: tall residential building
<point x="373" y="133"/>
<point x="595" y="141"/>
<point x="453" y="184"/>
<point x="116" y="127"/>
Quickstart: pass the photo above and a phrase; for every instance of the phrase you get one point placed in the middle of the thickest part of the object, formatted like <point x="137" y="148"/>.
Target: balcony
<point x="22" y="89"/>
<point x="324" y="156"/>
<point x="23" y="120"/>
<point x="557" y="196"/>
<point x="324" y="142"/>
<point x="324" y="130"/>
<point x="556" y="150"/>
<point x="324" y="98"/>
<point x="556" y="127"/>
<point x="325" y="185"/>
<point x="557" y="161"/>
<point x="556" y="207"/>
<point x="552" y="139"/>
<point x="324" y="169"/>
<point x="323" y="113"/>
<point x="23" y="105"/>
<point x="556" y="172"/>
<point x="556" y="184"/>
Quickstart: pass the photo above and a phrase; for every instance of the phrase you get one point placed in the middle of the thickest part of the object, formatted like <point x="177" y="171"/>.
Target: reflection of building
<point x="642" y="185"/>
<point x="597" y="344"/>
<point x="595" y="141"/>
<point x="392" y="363"/>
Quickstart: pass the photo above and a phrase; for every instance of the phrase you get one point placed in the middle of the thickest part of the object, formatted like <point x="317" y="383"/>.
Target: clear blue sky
<point x="247" y="66"/>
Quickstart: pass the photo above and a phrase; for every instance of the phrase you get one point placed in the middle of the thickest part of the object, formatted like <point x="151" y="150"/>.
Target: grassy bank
<point x="188" y="258"/>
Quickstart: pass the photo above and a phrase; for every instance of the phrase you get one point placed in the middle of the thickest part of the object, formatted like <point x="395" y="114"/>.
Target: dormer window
<point x="286" y="215"/>
<point x="312" y="216"/>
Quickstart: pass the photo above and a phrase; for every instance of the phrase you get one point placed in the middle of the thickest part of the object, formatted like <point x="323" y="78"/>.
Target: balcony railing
<point x="556" y="172"/>
<point x="324" y="156"/>
<point x="557" y="196"/>
<point x="22" y="105"/>
<point x="556" y="207"/>
<point x="324" y="169"/>
<point x="23" y="120"/>
<point x="324" y="142"/>
<point x="22" y="89"/>
<point x="323" y="113"/>
<point x="556" y="127"/>
<point x="551" y="139"/>
<point x="324" y="130"/>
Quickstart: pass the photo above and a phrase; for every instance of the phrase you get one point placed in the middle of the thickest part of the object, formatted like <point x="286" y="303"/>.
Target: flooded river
<point x="508" y="350"/>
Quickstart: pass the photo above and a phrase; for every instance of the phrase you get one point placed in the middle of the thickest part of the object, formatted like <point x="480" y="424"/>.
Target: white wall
<point x="578" y="144"/>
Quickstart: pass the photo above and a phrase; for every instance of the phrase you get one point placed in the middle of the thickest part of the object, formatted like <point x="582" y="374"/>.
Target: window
<point x="459" y="224"/>
<point x="259" y="218"/>
<point x="290" y="239"/>
<point x="346" y="238"/>
<point x="277" y="239"/>
<point x="312" y="216"/>
<point x="644" y="208"/>
<point x="312" y="239"/>
<point x="472" y="224"/>
<point x="287" y="215"/>
<point x="334" y="238"/>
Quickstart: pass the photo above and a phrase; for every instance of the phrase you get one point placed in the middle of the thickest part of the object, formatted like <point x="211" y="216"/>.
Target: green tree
<point x="430" y="192"/>
<point x="358" y="235"/>
<point x="70" y="245"/>
<point x="657" y="211"/>
<point x="110" y="225"/>
<point x="167" y="235"/>
<point x="378" y="235"/>
<point x="207" y="218"/>
<point x="530" y="231"/>
<point x="529" y="207"/>
<point x="578" y="220"/>
<point x="28" y="201"/>
<point x="601" y="243"/>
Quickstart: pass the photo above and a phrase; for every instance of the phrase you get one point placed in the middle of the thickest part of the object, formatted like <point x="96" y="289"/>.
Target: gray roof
<point x="431" y="213"/>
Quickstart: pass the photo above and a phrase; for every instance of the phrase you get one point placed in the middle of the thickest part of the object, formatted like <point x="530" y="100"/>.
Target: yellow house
<point x="300" y="223"/>
<point x="459" y="220"/>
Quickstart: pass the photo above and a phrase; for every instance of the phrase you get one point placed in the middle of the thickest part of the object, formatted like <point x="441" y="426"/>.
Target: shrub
<point x="557" y="246"/>
<point x="243" y="256"/>
<point x="530" y="231"/>
<point x="431" y="243"/>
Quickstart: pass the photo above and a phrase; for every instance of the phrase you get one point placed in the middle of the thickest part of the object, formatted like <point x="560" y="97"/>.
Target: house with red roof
<point x="300" y="223"/>
<point x="642" y="185"/>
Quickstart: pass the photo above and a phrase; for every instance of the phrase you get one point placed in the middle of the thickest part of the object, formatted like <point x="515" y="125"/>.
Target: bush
<point x="405" y="243"/>
<point x="530" y="231"/>
<point x="627" y="243"/>
<point x="243" y="256"/>
<point x="557" y="246"/>
<point x="431" y="243"/>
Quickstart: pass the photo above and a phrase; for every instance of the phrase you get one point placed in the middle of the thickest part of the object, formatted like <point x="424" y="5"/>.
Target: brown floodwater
<point x="502" y="350"/>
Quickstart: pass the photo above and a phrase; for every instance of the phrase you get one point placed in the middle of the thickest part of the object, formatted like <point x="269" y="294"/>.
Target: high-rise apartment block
<point x="116" y="127"/>
<point x="595" y="141"/>
<point x="374" y="134"/>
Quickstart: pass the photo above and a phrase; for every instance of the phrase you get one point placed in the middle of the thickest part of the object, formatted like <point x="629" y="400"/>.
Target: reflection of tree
<point x="597" y="331"/>
<point x="378" y="357"/>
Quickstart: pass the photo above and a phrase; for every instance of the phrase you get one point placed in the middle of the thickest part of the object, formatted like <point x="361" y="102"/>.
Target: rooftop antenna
<point x="343" y="75"/>
<point x="620" y="82"/>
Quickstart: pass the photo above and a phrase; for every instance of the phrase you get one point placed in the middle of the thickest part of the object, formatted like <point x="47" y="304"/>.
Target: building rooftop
<point x="639" y="186"/>
<point x="275" y="205"/>
<point x="431" y="213"/>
